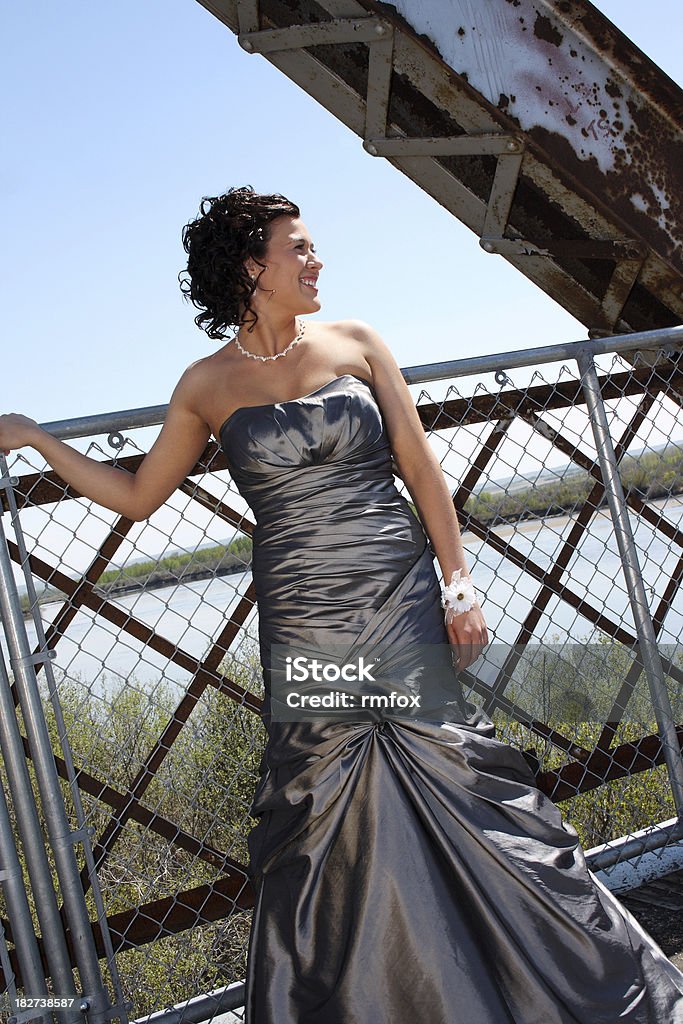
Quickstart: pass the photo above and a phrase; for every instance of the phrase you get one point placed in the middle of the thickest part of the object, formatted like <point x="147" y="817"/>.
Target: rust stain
<point x="545" y="30"/>
<point x="617" y="48"/>
<point x="612" y="89"/>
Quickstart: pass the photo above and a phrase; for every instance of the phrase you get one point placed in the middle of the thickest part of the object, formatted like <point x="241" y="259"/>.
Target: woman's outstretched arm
<point x="181" y="441"/>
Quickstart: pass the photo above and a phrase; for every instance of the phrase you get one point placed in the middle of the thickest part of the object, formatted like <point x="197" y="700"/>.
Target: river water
<point x="192" y="615"/>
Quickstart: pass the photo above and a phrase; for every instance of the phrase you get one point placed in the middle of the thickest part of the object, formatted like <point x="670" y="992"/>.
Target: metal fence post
<point x="60" y="834"/>
<point x="38" y="868"/>
<point x="10" y="980"/>
<point x="647" y="639"/>
<point x="68" y="758"/>
<point x="19" y="913"/>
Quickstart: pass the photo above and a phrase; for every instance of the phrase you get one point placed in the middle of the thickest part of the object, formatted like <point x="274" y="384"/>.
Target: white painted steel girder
<point x="535" y="122"/>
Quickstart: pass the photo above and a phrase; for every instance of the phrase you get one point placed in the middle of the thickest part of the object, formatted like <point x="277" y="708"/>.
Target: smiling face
<point x="292" y="267"/>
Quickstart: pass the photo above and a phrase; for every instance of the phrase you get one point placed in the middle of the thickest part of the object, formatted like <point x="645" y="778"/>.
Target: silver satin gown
<point x="407" y="871"/>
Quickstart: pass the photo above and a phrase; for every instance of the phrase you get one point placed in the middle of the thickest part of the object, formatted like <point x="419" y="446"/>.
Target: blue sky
<point x="123" y="115"/>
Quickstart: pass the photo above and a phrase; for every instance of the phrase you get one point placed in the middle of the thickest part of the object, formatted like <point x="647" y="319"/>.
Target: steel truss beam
<point x="529" y="200"/>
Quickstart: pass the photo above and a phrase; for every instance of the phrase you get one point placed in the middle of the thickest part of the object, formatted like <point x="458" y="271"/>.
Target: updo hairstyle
<point x="229" y="229"/>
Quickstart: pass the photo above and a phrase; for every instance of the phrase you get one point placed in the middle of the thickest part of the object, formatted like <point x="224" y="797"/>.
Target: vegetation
<point x="205" y="782"/>
<point x="219" y="560"/>
<point x="649" y="476"/>
<point x="204" y="785"/>
<point x="214" y="561"/>
<point x="572" y="688"/>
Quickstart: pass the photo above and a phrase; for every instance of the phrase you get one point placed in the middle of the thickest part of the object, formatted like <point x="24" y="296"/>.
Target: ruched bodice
<point x="405" y="870"/>
<point x="321" y="460"/>
<point x="317" y="473"/>
<point x="337" y="425"/>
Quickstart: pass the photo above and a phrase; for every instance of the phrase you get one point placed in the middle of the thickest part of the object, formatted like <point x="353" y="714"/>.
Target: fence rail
<point x="131" y="721"/>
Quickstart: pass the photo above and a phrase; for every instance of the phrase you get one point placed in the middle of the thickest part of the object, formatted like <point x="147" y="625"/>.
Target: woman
<point x="407" y="869"/>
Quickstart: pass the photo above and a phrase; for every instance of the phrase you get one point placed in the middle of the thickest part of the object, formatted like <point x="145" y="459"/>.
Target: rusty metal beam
<point x="603" y="766"/>
<point x="295" y="37"/>
<point x="588" y="203"/>
<point x="133" y="928"/>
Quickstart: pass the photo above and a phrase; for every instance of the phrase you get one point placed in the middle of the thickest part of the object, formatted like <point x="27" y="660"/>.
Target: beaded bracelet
<point x="458" y="596"/>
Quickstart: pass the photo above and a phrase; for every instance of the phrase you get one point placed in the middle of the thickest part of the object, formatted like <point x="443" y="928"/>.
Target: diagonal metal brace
<point x="499" y="205"/>
<point x="298" y="37"/>
<point x="247" y="15"/>
<point x="579" y="248"/>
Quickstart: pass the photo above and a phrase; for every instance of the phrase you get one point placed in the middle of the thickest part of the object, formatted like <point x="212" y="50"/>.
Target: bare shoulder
<point x="358" y="330"/>
<point x="365" y="342"/>
<point x="371" y="346"/>
<point x="404" y="428"/>
<point x="190" y="391"/>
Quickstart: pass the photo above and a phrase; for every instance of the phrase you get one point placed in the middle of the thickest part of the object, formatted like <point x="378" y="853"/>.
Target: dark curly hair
<point x="229" y="229"/>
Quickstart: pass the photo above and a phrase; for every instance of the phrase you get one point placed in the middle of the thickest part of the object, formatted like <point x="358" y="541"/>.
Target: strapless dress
<point x="406" y="869"/>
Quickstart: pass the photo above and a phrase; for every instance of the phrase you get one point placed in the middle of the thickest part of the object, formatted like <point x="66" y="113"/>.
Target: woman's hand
<point x="468" y="634"/>
<point x="16" y="431"/>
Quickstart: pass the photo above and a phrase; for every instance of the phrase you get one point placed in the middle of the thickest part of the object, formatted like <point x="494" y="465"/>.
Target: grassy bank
<point x="220" y="560"/>
<point x="652" y="476"/>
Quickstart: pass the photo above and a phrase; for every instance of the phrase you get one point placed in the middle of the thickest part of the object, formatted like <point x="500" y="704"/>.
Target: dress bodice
<point x="317" y="473"/>
<point x="335" y="433"/>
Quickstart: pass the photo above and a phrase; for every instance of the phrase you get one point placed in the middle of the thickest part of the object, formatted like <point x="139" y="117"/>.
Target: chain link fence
<point x="566" y="467"/>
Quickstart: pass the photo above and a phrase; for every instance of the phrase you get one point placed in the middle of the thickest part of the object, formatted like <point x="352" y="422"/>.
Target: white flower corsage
<point x="459" y="595"/>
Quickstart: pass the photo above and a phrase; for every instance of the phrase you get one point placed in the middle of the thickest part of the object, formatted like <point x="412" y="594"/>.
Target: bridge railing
<point x="131" y="689"/>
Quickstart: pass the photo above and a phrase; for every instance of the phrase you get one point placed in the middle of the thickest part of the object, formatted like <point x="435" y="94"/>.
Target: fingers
<point x="464" y="655"/>
<point x="468" y="635"/>
<point x="13" y="431"/>
<point x="3" y="449"/>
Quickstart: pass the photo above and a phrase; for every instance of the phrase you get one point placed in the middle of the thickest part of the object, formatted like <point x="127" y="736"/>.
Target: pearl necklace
<point x="278" y="355"/>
